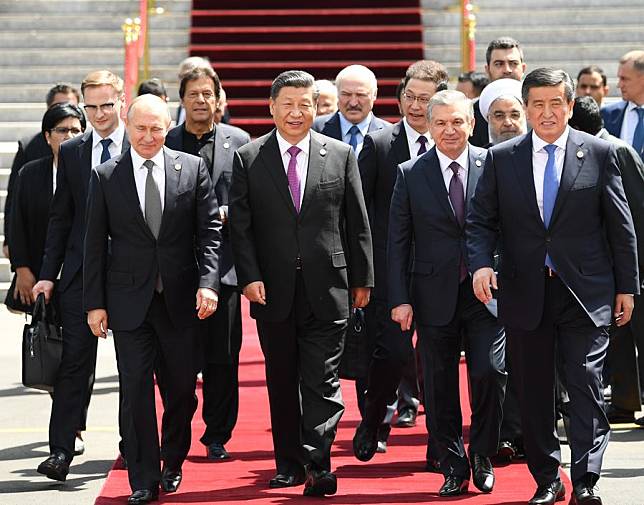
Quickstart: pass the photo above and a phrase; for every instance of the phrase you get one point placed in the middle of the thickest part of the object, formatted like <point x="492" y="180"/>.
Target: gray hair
<point x="546" y="77"/>
<point x="359" y="71"/>
<point x="294" y="79"/>
<point x="637" y="57"/>
<point x="450" y="97"/>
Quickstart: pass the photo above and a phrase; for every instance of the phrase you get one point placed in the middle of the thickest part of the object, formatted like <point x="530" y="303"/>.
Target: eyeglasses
<point x="423" y="100"/>
<point x="64" y="131"/>
<point x="105" y="108"/>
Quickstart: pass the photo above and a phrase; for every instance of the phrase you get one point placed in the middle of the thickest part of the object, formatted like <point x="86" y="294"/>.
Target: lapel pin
<point x="177" y="166"/>
<point x="323" y="152"/>
<point x="477" y="163"/>
<point x="226" y="145"/>
<point x="580" y="154"/>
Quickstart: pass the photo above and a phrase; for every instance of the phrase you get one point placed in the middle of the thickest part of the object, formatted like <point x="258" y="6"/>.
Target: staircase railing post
<point x="468" y="40"/>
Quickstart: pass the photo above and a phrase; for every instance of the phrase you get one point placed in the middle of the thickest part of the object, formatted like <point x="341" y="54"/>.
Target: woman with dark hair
<point x="35" y="186"/>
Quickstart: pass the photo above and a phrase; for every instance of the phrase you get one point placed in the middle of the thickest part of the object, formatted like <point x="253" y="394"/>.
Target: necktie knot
<point x="293" y="151"/>
<point x="354" y="130"/>
<point x="550" y="149"/>
<point x="105" y="154"/>
<point x="149" y="164"/>
<point x="455" y="167"/>
<point x="353" y="140"/>
<point x="106" y="142"/>
<point x="422" y="140"/>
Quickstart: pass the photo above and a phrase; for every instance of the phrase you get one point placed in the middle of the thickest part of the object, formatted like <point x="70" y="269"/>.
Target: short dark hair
<point x="152" y="86"/>
<point x="426" y="70"/>
<point x="593" y="69"/>
<point x="198" y="73"/>
<point x="59" y="111"/>
<point x="502" y="43"/>
<point x="61" y="88"/>
<point x="478" y="79"/>
<point x="546" y="76"/>
<point x="399" y="90"/>
<point x="586" y="116"/>
<point x="294" y="79"/>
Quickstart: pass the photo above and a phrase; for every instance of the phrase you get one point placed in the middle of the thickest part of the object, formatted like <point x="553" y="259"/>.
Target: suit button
<point x="548" y="240"/>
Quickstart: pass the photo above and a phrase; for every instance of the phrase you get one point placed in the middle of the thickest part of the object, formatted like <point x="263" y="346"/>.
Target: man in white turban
<point x="502" y="107"/>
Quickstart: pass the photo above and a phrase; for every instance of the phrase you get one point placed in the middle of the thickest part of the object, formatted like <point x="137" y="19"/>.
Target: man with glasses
<point x="392" y="352"/>
<point x="103" y="95"/>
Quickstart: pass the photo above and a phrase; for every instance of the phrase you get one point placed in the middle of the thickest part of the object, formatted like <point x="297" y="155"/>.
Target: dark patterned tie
<point x="422" y="140"/>
<point x="105" y="155"/>
<point x="457" y="199"/>
<point x="293" y="177"/>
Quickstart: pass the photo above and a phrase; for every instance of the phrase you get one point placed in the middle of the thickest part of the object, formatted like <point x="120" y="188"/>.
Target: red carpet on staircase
<point x="249" y="42"/>
<point x="396" y="477"/>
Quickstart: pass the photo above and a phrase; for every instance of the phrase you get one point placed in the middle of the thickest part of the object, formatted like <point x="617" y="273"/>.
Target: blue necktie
<point x="353" y="141"/>
<point x="638" y="136"/>
<point x="105" y="155"/>
<point x="550" y="188"/>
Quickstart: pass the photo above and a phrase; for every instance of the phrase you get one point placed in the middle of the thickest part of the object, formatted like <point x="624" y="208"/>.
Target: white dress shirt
<point x="114" y="147"/>
<point x="539" y="160"/>
<point x="463" y="160"/>
<point x="631" y="117"/>
<point x="363" y="126"/>
<point x="141" y="174"/>
<point x="302" y="159"/>
<point x="412" y="140"/>
<point x="54" y="174"/>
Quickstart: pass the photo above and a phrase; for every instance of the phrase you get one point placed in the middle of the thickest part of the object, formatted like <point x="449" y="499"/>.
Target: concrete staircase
<point x="568" y="34"/>
<point x="44" y="42"/>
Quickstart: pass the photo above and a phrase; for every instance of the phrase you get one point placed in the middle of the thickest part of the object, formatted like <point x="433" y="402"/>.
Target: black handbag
<point x="354" y="363"/>
<point x="42" y="347"/>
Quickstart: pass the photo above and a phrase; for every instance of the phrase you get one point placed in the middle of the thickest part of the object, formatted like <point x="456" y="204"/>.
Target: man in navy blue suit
<point x="625" y="119"/>
<point x="552" y="204"/>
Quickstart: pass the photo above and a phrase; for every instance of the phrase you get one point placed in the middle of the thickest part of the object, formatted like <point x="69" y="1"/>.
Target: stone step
<point x="543" y="4"/>
<point x="18" y="130"/>
<point x="38" y="38"/>
<point x="5" y="272"/>
<point x="7" y="152"/>
<point x="22" y="21"/>
<point x="94" y="7"/>
<point x="2" y="227"/>
<point x="35" y="93"/>
<point x="47" y="75"/>
<point x="3" y="197"/>
<point x="4" y="178"/>
<point x="99" y="57"/>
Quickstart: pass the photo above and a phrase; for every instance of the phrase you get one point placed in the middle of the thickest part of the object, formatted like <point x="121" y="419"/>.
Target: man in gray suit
<point x="200" y="91"/>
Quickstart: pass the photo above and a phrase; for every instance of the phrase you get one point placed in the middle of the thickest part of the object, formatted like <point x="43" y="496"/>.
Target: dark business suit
<point x="308" y="261"/>
<point x="223" y="334"/>
<point x="422" y="224"/>
<point x="144" y="321"/>
<point x="64" y="247"/>
<point x="613" y="116"/>
<point x="329" y="125"/>
<point x="621" y="358"/>
<point x="480" y="136"/>
<point x="591" y="243"/>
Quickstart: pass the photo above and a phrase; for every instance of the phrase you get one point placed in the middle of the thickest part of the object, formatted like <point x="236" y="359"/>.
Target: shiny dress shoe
<point x="482" y="473"/>
<point x="584" y="493"/>
<point x="549" y="494"/>
<point x="406" y="418"/>
<point x="454" y="486"/>
<point x="285" y="480"/>
<point x="55" y="467"/>
<point x="79" y="444"/>
<point x="142" y="496"/>
<point x="365" y="443"/>
<point x="320" y="483"/>
<point x="382" y="446"/>
<point x="616" y="415"/>
<point x="507" y="451"/>
<point x="170" y="479"/>
<point x="640" y="421"/>
<point x="217" y="452"/>
<point x="433" y="466"/>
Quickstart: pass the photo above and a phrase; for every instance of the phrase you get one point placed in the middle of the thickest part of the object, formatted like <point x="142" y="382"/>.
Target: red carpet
<point x="396" y="477"/>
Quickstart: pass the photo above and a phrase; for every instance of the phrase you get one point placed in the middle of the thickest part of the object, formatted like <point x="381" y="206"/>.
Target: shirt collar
<point x="412" y="134"/>
<point x="363" y="125"/>
<point x="462" y="160"/>
<point x="284" y="145"/>
<point x="116" y="136"/>
<point x="137" y="159"/>
<point x="538" y="144"/>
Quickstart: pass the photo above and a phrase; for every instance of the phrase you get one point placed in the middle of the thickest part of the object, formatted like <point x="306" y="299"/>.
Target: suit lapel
<point x="474" y="171"/>
<point x="571" y="168"/>
<point x="85" y="156"/>
<point x="222" y="153"/>
<point x="314" y="172"/>
<point x="399" y="143"/>
<point x="172" y="179"/>
<point x="432" y="171"/>
<point x="522" y="156"/>
<point x="333" y="129"/>
<point x="272" y="159"/>
<point x="125" y="174"/>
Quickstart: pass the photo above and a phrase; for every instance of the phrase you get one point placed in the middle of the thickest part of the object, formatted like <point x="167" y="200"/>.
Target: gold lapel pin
<point x="323" y="152"/>
<point x="226" y="145"/>
<point x="580" y="154"/>
<point x="477" y="163"/>
<point x="177" y="166"/>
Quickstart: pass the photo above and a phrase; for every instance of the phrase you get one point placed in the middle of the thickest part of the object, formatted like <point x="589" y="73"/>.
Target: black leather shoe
<point x="549" y="494"/>
<point x="55" y="467"/>
<point x="285" y="480"/>
<point x="482" y="473"/>
<point x="320" y="483"/>
<point x="406" y="418"/>
<point x="507" y="451"/>
<point x="217" y="452"/>
<point x="639" y="421"/>
<point x="365" y="443"/>
<point x="584" y="492"/>
<point x="170" y="479"/>
<point x="619" y="416"/>
<point x="433" y="466"/>
<point x="454" y="486"/>
<point x="142" y="496"/>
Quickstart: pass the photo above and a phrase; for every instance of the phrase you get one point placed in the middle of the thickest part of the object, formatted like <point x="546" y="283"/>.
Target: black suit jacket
<point x="123" y="282"/>
<point x="329" y="125"/>
<point x="218" y="153"/>
<point x="422" y="223"/>
<point x="480" y="136"/>
<point x="591" y="239"/>
<point x="30" y="213"/>
<point x="64" y="245"/>
<point x="381" y="154"/>
<point x="330" y="234"/>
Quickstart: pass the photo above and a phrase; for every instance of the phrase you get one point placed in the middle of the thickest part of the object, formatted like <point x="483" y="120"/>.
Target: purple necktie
<point x="457" y="199"/>
<point x="422" y="140"/>
<point x="293" y="177"/>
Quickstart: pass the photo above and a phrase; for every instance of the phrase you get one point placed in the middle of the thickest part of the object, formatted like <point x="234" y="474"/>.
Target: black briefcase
<point x="355" y="359"/>
<point x="42" y="347"/>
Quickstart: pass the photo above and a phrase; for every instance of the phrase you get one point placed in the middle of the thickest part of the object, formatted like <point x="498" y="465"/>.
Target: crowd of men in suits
<point x="518" y="247"/>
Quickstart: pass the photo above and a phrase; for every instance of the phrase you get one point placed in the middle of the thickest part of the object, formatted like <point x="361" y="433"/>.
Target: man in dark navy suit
<point x="553" y="203"/>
